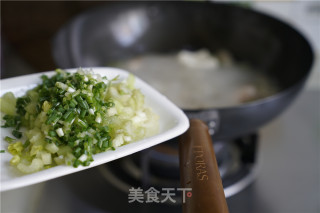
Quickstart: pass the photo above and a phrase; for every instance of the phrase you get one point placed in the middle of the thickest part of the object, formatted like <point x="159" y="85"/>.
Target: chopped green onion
<point x="70" y="117"/>
<point x="81" y="123"/>
<point x="76" y="163"/>
<point x="73" y="103"/>
<point x="26" y="144"/>
<point x="54" y="118"/>
<point x="11" y="121"/>
<point x="61" y="85"/>
<point x="83" y="113"/>
<point x="91" y="111"/>
<point x="110" y="104"/>
<point x="52" y="133"/>
<point x="66" y="115"/>
<point x="75" y="94"/>
<point x="71" y="90"/>
<point x="16" y="133"/>
<point x="60" y="132"/>
<point x="98" y="118"/>
<point x="77" y="152"/>
<point x="83" y="158"/>
<point x="82" y="103"/>
<point x="9" y="140"/>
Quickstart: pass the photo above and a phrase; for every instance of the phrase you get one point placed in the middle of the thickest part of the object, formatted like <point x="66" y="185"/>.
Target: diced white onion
<point x="118" y="140"/>
<point x="46" y="158"/>
<point x="59" y="160"/>
<point x="52" y="147"/>
<point x="35" y="165"/>
<point x="139" y="118"/>
<point x="127" y="138"/>
<point x="112" y="111"/>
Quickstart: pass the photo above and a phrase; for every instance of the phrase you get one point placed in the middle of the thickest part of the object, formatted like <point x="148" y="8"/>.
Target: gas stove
<point x="159" y="166"/>
<point x="282" y="174"/>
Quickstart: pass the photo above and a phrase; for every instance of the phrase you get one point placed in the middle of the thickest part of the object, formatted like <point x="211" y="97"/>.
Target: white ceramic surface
<point x="173" y="122"/>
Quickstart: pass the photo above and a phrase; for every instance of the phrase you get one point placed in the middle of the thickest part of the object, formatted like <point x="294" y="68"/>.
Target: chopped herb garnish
<point x="9" y="140"/>
<point x="16" y="133"/>
<point x="26" y="144"/>
<point x="70" y="117"/>
<point x="11" y="121"/>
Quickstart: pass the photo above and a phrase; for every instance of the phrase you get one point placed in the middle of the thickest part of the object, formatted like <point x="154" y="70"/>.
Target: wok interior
<point x="124" y="30"/>
<point x="139" y="29"/>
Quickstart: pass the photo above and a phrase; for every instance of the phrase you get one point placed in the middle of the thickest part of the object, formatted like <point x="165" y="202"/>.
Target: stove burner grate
<point x="158" y="166"/>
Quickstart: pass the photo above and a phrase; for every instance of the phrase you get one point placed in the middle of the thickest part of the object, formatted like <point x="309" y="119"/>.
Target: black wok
<point x="269" y="45"/>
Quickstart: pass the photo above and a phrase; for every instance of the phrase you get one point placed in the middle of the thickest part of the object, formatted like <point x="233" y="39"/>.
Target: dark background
<point x="27" y="29"/>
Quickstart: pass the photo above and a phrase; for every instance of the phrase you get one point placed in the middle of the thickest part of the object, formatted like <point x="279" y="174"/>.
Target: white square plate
<point x="172" y="122"/>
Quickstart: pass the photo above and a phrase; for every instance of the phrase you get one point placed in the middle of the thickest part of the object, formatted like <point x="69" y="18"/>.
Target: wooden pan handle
<point x="199" y="171"/>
